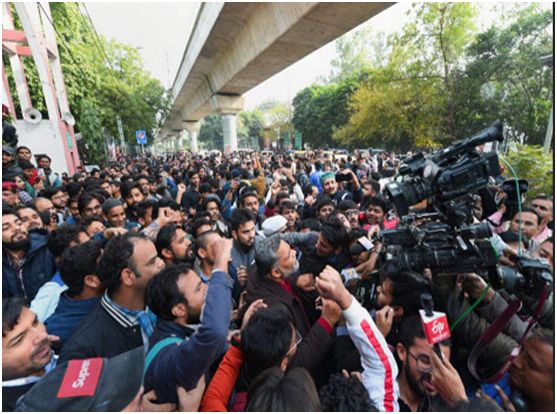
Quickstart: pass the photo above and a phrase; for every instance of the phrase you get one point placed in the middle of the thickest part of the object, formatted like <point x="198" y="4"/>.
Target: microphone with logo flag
<point x="435" y="324"/>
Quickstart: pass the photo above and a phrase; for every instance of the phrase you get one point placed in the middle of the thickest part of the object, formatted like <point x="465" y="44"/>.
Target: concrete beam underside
<point x="251" y="42"/>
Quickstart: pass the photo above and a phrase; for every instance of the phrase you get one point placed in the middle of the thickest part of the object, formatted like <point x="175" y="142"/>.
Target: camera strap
<point x="495" y="328"/>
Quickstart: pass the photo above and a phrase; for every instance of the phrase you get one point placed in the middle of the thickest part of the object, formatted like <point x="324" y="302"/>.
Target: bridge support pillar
<point x="193" y="129"/>
<point x="228" y="106"/>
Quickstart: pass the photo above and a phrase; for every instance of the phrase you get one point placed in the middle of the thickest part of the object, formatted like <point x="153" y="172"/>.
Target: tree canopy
<point x="439" y="79"/>
<point x="104" y="79"/>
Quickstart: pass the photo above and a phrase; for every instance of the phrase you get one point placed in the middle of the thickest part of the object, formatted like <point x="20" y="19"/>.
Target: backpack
<point x="153" y="352"/>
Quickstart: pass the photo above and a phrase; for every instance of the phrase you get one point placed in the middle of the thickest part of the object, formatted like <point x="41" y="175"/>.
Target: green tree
<point x="444" y="81"/>
<point x="276" y="120"/>
<point x="250" y="126"/>
<point x="210" y="133"/>
<point x="108" y="86"/>
<point x="408" y="102"/>
<point x="539" y="174"/>
<point x="431" y="49"/>
<point x="320" y="109"/>
<point x="506" y="78"/>
<point x="92" y="132"/>
<point x="397" y="115"/>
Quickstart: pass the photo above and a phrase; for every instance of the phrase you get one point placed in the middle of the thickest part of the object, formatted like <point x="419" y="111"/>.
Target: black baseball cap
<point x="94" y="384"/>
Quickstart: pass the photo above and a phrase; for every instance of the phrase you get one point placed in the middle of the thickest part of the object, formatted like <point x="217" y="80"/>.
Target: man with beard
<point x="9" y="165"/>
<point x="211" y="204"/>
<point x="276" y="265"/>
<point x="26" y="261"/>
<point x="26" y="352"/>
<point x="181" y="300"/>
<point x="248" y="199"/>
<point x="51" y="179"/>
<point x="242" y="223"/>
<point x="331" y="187"/>
<point x="30" y="218"/>
<point x="173" y="245"/>
<point x="57" y="197"/>
<point x="414" y="380"/>
<point x="131" y="192"/>
<point x="330" y="245"/>
<point x="120" y="322"/>
<point x="206" y="254"/>
<point x="190" y="200"/>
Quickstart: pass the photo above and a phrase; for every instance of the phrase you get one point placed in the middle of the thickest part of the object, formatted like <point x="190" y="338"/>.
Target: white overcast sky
<point x="160" y="32"/>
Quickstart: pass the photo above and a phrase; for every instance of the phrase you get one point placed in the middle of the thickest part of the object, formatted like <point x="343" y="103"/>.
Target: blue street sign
<point x="141" y="137"/>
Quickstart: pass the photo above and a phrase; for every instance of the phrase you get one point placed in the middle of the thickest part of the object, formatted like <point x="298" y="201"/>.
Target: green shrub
<point x="530" y="162"/>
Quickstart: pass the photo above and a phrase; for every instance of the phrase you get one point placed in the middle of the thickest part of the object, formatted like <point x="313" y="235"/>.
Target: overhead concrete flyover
<point x="234" y="47"/>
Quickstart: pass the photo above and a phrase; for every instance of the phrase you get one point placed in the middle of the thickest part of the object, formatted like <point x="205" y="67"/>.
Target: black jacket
<point x="316" y="338"/>
<point x="38" y="268"/>
<point x="100" y="335"/>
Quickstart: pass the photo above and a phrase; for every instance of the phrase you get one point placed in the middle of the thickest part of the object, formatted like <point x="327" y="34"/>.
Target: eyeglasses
<point x="298" y="340"/>
<point x="423" y="362"/>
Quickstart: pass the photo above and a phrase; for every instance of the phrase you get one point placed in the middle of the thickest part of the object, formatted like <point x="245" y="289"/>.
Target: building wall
<point x="41" y="140"/>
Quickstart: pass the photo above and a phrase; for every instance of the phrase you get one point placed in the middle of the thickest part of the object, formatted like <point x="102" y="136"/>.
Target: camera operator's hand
<point x="348" y="171"/>
<point x="446" y="380"/>
<point x="384" y="320"/>
<point x="474" y="285"/>
<point x="329" y="285"/>
<point x="366" y="268"/>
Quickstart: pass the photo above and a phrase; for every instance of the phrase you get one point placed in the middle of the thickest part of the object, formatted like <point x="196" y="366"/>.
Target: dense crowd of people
<point x="251" y="282"/>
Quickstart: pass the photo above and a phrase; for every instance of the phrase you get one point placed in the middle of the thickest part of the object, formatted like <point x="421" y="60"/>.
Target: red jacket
<point x="221" y="386"/>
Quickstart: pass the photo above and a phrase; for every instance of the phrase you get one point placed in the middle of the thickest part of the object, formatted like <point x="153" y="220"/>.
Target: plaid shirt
<point x="24" y="197"/>
<point x="128" y="318"/>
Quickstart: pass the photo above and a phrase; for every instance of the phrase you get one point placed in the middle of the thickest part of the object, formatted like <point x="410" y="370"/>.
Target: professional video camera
<point x="512" y="196"/>
<point x="444" y="240"/>
<point x="530" y="278"/>
<point x="439" y="246"/>
<point x="446" y="174"/>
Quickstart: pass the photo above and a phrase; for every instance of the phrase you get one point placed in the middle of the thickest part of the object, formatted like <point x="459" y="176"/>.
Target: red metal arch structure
<point x="54" y="136"/>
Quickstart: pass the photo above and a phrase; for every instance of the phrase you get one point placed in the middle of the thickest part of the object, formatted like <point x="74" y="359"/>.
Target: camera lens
<point x="406" y="194"/>
<point x="509" y="279"/>
<point x="476" y="231"/>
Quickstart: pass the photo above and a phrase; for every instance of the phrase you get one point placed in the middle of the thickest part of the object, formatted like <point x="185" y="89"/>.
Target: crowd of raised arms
<point x="261" y="282"/>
